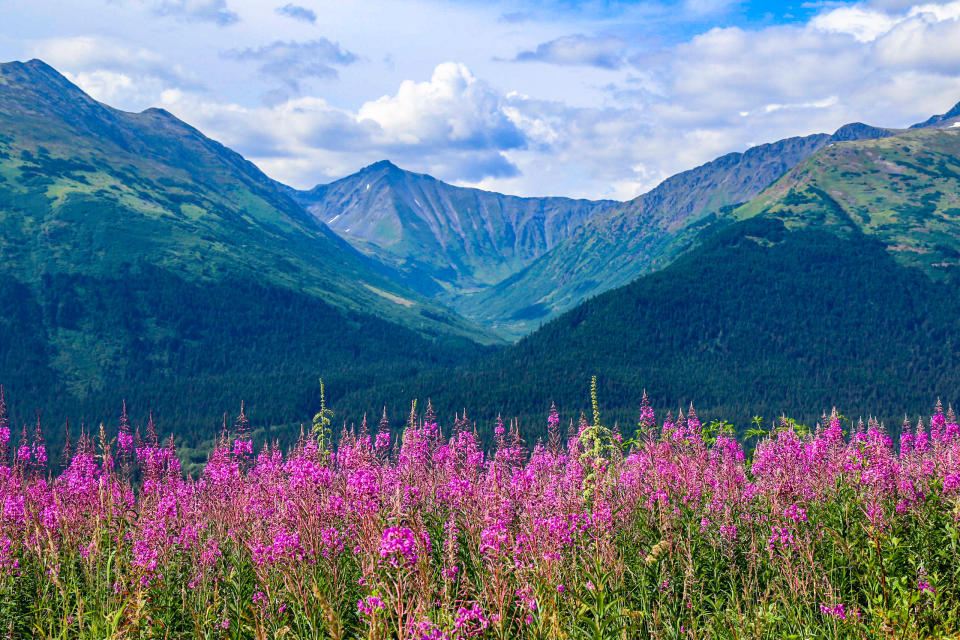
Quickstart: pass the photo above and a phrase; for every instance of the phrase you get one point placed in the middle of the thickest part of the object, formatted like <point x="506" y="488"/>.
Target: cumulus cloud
<point x="112" y="71"/>
<point x="109" y="87"/>
<point x="297" y="12"/>
<point x="215" y="11"/>
<point x="922" y="42"/>
<point x="453" y="125"/>
<point x="868" y="23"/>
<point x="847" y="71"/>
<point x="595" y="51"/>
<point x="725" y="71"/>
<point x="292" y="62"/>
<point x="863" y="24"/>
<point x="453" y="108"/>
<point x="90" y="52"/>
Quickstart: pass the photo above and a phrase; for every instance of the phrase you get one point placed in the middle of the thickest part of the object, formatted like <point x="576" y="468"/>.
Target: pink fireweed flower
<point x="125" y="441"/>
<point x="242" y="448"/>
<point x="795" y="513"/>
<point x="728" y="533"/>
<point x="553" y="420"/>
<point x="398" y="547"/>
<point x="211" y="553"/>
<point x="332" y="542"/>
<point x="781" y="538"/>
<point x="451" y="572"/>
<point x="426" y="630"/>
<point x="837" y="610"/>
<point x="370" y="605"/>
<point x="40" y="454"/>
<point x="526" y="599"/>
<point x="8" y="561"/>
<point x="144" y="556"/>
<point x="471" y="621"/>
<point x="493" y="539"/>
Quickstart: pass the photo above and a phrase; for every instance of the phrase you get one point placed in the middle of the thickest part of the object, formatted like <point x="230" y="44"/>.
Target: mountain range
<point x="644" y="234"/>
<point x="836" y="286"/>
<point x="511" y="264"/>
<point x="139" y="259"/>
<point x="443" y="241"/>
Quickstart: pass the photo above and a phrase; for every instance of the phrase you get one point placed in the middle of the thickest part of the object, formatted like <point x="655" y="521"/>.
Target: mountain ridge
<point x="643" y="234"/>
<point x="947" y="118"/>
<point x="440" y="239"/>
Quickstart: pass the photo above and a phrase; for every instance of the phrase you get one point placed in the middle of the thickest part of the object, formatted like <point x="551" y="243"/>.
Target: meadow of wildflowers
<point x="673" y="531"/>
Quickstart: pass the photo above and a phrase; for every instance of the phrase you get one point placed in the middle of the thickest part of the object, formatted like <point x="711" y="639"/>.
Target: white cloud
<point x="291" y="63"/>
<point x="939" y="11"/>
<point x="866" y="24"/>
<point x="296" y="12"/>
<point x="923" y="42"/>
<point x="454" y="126"/>
<point x="91" y="52"/>
<point x="816" y="104"/>
<point x="605" y="52"/>
<point x="453" y="108"/>
<point x="863" y="24"/>
<point x="215" y="11"/>
<point x="112" y="71"/>
<point x="108" y="87"/>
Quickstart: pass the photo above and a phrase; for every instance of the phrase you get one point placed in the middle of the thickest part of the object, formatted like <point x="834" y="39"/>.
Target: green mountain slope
<point x="642" y="235"/>
<point x="163" y="193"/>
<point x="138" y="256"/>
<point x="759" y="320"/>
<point x="443" y="240"/>
<point x="903" y="191"/>
<point x="835" y="286"/>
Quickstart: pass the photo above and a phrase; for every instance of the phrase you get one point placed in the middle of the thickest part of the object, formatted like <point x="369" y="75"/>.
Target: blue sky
<point x="544" y="97"/>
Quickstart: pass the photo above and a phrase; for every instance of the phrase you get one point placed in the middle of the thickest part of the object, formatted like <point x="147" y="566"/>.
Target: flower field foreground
<point x="675" y="533"/>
